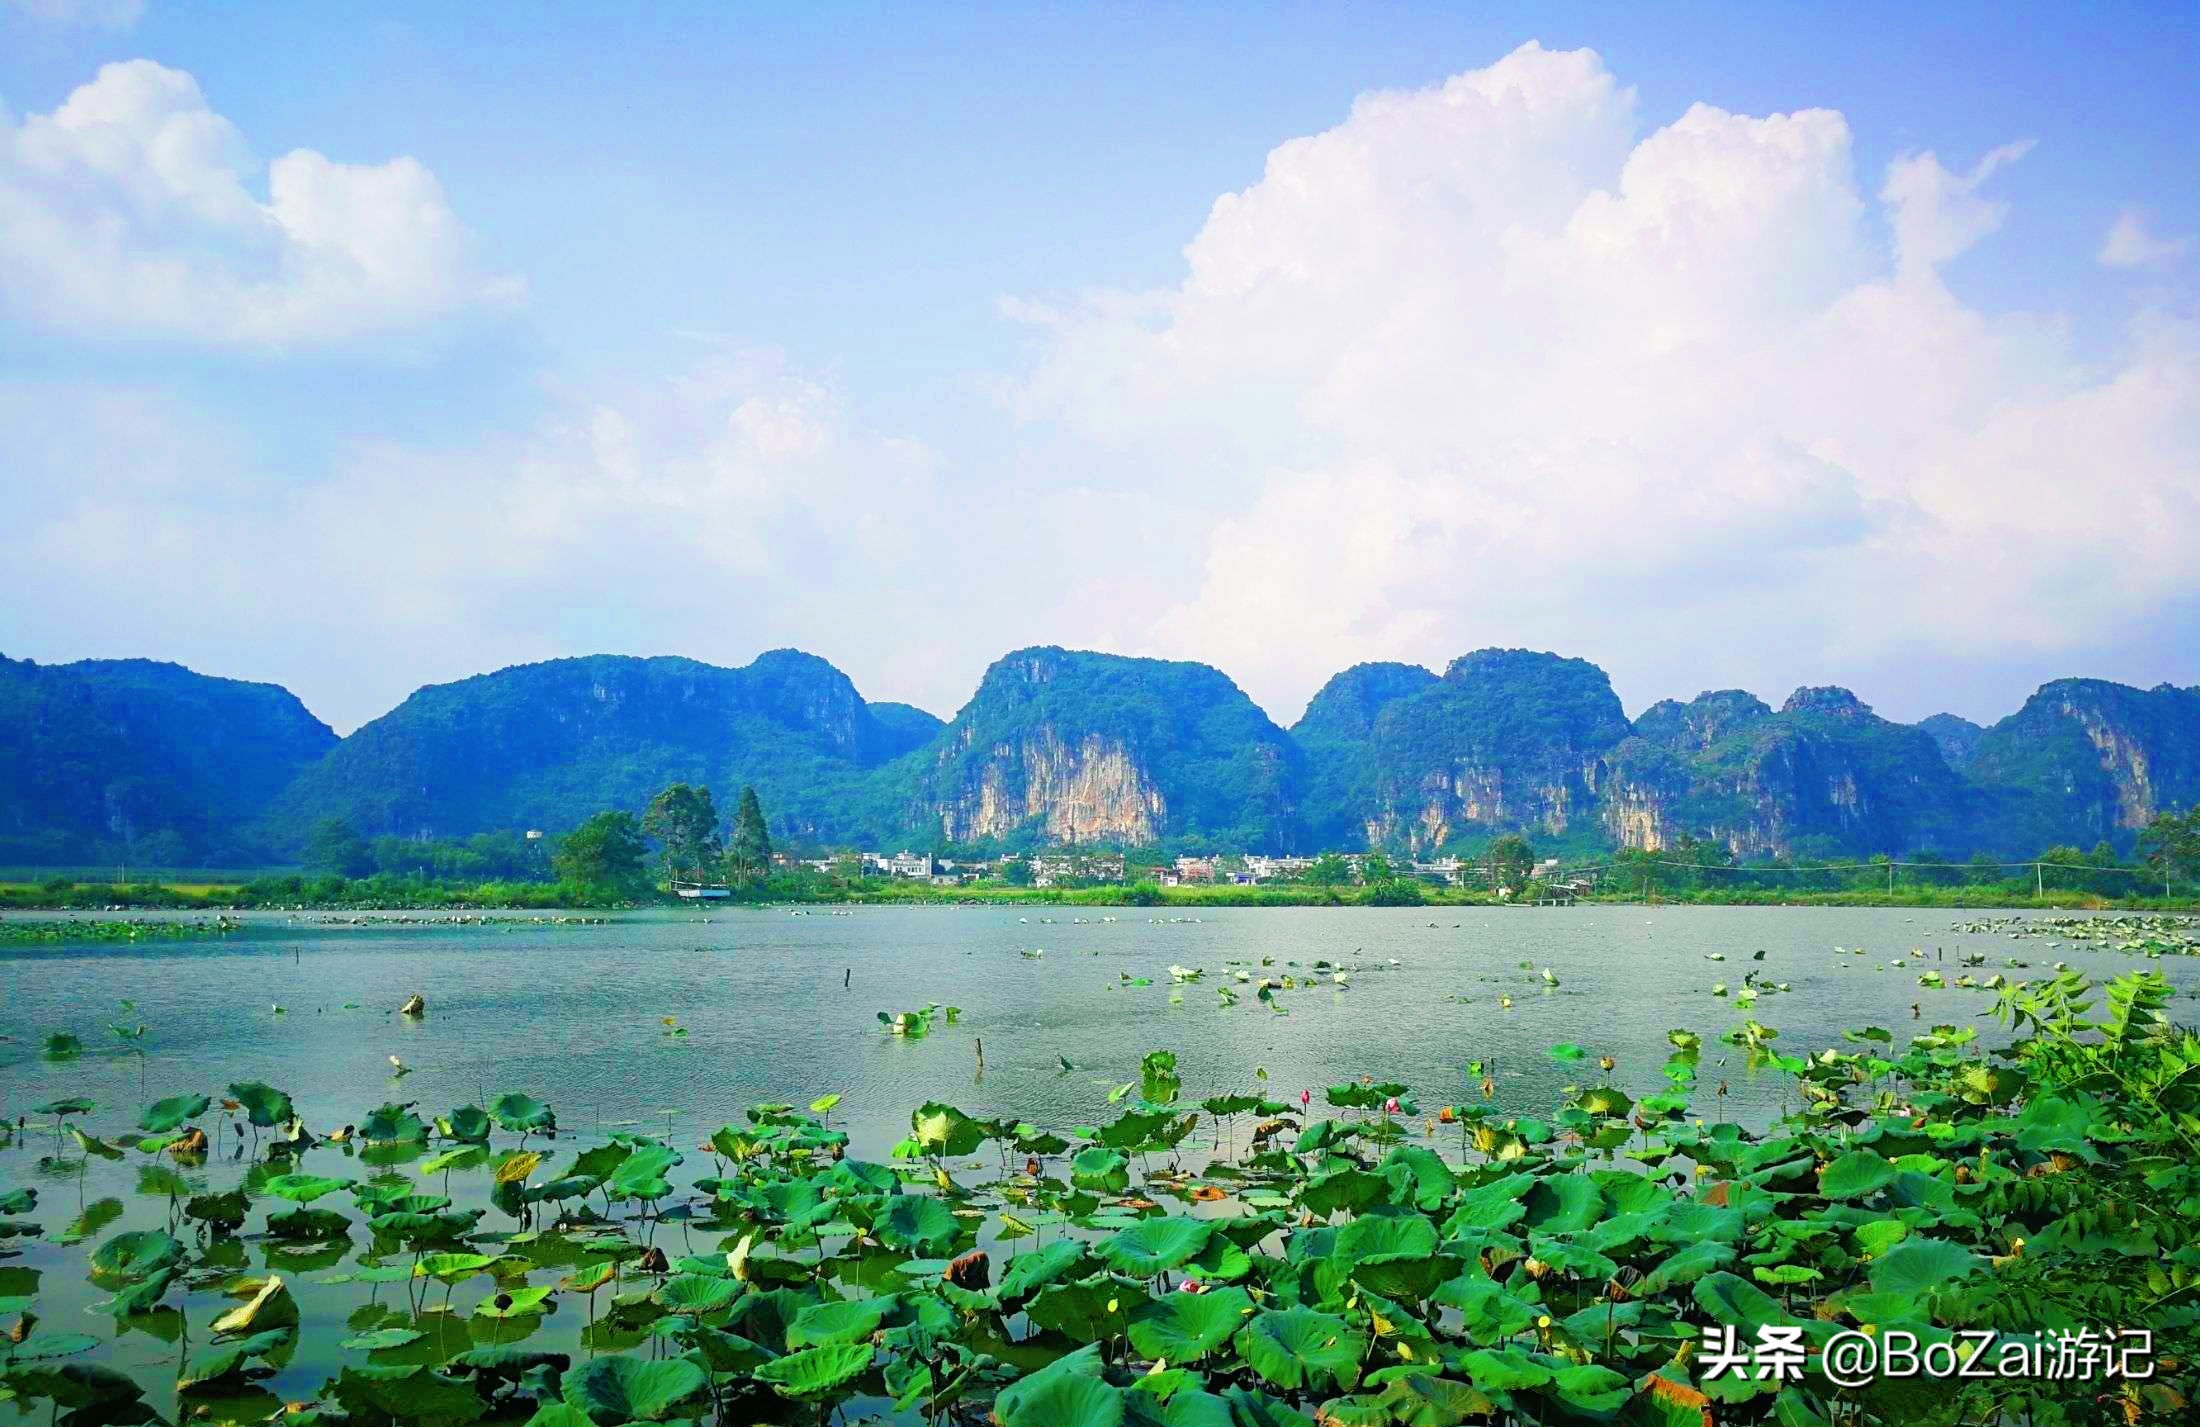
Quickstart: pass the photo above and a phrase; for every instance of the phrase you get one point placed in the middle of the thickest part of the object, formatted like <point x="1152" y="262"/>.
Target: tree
<point x="750" y="854"/>
<point x="1511" y="862"/>
<point x="1327" y="870"/>
<point x="2171" y="846"/>
<point x="604" y="852"/>
<point x="1016" y="871"/>
<point x="334" y="849"/>
<point x="683" y="819"/>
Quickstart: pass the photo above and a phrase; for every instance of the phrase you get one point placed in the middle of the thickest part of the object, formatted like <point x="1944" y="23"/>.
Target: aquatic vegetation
<point x="1234" y="1260"/>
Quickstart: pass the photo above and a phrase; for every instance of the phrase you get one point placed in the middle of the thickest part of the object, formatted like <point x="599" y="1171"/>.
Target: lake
<point x="574" y="1014"/>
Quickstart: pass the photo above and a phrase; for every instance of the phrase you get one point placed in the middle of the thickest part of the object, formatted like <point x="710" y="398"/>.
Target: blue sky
<point x="931" y="271"/>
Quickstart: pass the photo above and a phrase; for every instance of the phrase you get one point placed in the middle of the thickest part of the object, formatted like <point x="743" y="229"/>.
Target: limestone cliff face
<point x="1509" y="740"/>
<point x="1825" y="774"/>
<point x="2086" y="759"/>
<point x="1062" y="746"/>
<point x="1089" y="791"/>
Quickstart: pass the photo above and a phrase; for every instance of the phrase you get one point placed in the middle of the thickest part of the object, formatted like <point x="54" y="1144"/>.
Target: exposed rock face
<point x="1958" y="738"/>
<point x="1508" y="740"/>
<point x="1337" y="731"/>
<point x="2086" y="759"/>
<point x="1064" y="746"/>
<point x="1824" y="774"/>
<point x="1094" y="792"/>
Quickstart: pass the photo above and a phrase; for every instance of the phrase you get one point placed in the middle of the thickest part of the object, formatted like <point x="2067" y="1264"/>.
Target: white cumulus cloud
<point x="1495" y="362"/>
<point x="134" y="209"/>
<point x="2131" y="243"/>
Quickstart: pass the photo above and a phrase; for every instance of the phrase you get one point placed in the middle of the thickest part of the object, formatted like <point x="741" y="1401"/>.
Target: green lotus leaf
<point x="451" y="1268"/>
<point x="1095" y="1167"/>
<point x="393" y="1124"/>
<point x="1855" y="1175"/>
<point x="559" y="1414"/>
<point x="695" y="1294"/>
<point x="1488" y="1312"/>
<point x="1184" y="1327"/>
<point x="136" y="1253"/>
<point x="642" y="1174"/>
<point x="1385" y="1238"/>
<point x="1592" y="1388"/>
<point x="917" y="1223"/>
<point x="228" y="1359"/>
<point x="814" y="1371"/>
<point x="1737" y="1302"/>
<point x="382" y="1338"/>
<point x="45" y="1347"/>
<point x="1687" y="1265"/>
<point x="1068" y="1392"/>
<point x="619" y="1389"/>
<point x="1029" y="1272"/>
<point x="522" y="1114"/>
<point x="303" y="1188"/>
<point x="944" y="1130"/>
<point x="18" y="1201"/>
<point x="1292" y="1348"/>
<point x="1504" y="1370"/>
<point x="1563" y="1204"/>
<point x="849" y="1321"/>
<point x="466" y="1156"/>
<point x="164" y="1115"/>
<point x="1919" y="1265"/>
<point x="409" y="1393"/>
<point x="524" y="1301"/>
<point x="72" y="1105"/>
<point x="1155" y="1245"/>
<point x="468" y="1124"/>
<point x="263" y="1104"/>
<point x="1085" y="1309"/>
<point x="78" y="1386"/>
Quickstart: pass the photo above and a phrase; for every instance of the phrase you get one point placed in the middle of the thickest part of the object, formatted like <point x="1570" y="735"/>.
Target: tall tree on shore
<point x="750" y="854"/>
<point x="605" y="852"/>
<point x="2171" y="845"/>
<point x="684" y="820"/>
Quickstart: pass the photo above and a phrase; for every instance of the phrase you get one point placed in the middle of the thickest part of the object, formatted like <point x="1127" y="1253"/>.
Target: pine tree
<point x="751" y="852"/>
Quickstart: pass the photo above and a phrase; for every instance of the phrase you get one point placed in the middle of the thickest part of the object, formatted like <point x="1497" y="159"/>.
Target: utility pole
<point x="2039" y="881"/>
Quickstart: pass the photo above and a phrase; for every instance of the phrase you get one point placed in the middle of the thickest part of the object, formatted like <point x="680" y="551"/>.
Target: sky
<point x="358" y="349"/>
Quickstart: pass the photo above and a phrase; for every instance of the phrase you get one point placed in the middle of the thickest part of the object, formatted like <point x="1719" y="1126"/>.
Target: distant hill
<point x="129" y="759"/>
<point x="103" y="758"/>
<point x="1507" y="741"/>
<point x="1337" y="731"/>
<point x="2086" y="760"/>
<point x="546" y="745"/>
<point x="1060" y="745"/>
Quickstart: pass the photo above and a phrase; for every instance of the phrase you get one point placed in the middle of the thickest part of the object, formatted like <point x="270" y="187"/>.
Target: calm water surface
<point x="573" y="1015"/>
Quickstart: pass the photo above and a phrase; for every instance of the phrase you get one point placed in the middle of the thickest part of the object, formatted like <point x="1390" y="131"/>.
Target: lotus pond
<point x="1259" y="1167"/>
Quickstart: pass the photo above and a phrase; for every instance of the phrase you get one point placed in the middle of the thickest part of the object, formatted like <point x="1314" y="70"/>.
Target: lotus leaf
<point x="1298" y="1347"/>
<point x="1184" y="1327"/>
<point x="164" y="1115"/>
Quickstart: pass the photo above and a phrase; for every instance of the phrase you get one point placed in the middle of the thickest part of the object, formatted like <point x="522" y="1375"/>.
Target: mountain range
<point x="1062" y="746"/>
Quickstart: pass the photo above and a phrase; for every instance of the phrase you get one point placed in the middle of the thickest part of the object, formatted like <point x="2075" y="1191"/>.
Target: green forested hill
<point x="1337" y="732"/>
<point x="546" y="745"/>
<point x="103" y="760"/>
<point x="1509" y="740"/>
<point x="129" y="759"/>
<point x="1059" y="744"/>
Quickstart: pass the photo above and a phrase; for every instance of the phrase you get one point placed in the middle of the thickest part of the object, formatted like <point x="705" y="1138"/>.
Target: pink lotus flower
<point x="1390" y="1106"/>
<point x="1306" y="1097"/>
